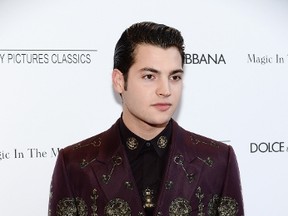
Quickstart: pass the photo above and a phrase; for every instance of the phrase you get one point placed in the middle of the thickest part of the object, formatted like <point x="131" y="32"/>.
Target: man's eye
<point x="148" y="76"/>
<point x="176" y="77"/>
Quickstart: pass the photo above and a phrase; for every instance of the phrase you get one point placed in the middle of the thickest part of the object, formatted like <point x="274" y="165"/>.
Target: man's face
<point x="154" y="86"/>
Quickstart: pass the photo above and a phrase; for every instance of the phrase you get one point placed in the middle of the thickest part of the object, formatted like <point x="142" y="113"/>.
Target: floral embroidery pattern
<point x="213" y="205"/>
<point x="72" y="207"/>
<point x="228" y="207"/>
<point x="180" y="207"/>
<point x="117" y="207"/>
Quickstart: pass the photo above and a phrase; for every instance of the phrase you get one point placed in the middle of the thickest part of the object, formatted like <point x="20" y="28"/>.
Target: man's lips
<point x="162" y="106"/>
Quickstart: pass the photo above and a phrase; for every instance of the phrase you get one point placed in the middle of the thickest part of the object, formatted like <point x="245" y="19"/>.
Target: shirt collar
<point x="135" y="144"/>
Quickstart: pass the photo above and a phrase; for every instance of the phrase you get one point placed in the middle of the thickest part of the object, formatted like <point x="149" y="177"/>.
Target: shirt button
<point x="148" y="144"/>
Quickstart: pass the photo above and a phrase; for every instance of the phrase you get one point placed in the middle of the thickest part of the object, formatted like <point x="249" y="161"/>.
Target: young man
<point x="146" y="164"/>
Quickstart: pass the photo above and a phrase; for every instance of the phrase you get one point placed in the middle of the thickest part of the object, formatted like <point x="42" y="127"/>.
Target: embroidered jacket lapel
<point x="113" y="172"/>
<point x="182" y="173"/>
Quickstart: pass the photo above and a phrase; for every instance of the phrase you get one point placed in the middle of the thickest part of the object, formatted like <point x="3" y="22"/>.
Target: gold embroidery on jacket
<point x="72" y="207"/>
<point x="180" y="207"/>
<point x="94" y="143"/>
<point x="85" y="163"/>
<point x="217" y="206"/>
<point x="228" y="207"/>
<point x="117" y="207"/>
<point x="94" y="207"/>
<point x="213" y="205"/>
<point x="129" y="185"/>
<point x="197" y="142"/>
<point x="117" y="160"/>
<point x="200" y="195"/>
<point x="179" y="160"/>
<point x="208" y="161"/>
<point x="168" y="185"/>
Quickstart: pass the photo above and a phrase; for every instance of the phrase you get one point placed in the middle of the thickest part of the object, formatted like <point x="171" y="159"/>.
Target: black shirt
<point x="147" y="160"/>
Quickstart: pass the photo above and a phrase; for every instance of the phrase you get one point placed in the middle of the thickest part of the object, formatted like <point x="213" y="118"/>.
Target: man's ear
<point x="118" y="81"/>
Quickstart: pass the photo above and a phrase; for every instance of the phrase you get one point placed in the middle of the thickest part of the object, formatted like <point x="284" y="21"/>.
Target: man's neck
<point x="143" y="129"/>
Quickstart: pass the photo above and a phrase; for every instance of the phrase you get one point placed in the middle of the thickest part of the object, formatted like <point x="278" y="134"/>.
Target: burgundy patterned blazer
<point x="94" y="177"/>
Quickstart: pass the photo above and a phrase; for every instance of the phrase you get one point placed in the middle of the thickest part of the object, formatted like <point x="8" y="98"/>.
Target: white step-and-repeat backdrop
<point x="55" y="87"/>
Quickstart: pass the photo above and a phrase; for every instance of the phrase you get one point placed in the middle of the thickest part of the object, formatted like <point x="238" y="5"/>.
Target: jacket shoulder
<point x="92" y="148"/>
<point x="210" y="151"/>
<point x="203" y="146"/>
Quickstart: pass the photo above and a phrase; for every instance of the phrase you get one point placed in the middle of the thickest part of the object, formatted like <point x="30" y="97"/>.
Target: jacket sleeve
<point x="231" y="202"/>
<point x="61" y="200"/>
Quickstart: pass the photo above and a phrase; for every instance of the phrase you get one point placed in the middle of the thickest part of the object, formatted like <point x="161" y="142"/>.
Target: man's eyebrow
<point x="150" y="69"/>
<point x="153" y="70"/>
<point x="177" y="71"/>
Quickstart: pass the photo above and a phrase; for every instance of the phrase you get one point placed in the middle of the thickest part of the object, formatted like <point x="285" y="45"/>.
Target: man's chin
<point x="160" y="123"/>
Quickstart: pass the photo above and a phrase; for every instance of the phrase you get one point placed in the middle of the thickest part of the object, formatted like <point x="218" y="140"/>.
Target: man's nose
<point x="164" y="88"/>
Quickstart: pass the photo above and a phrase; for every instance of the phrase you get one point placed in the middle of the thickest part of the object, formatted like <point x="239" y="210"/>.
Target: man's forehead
<point x="153" y="52"/>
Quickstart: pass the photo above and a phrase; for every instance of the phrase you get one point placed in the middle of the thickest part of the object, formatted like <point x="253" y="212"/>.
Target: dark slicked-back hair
<point x="144" y="33"/>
